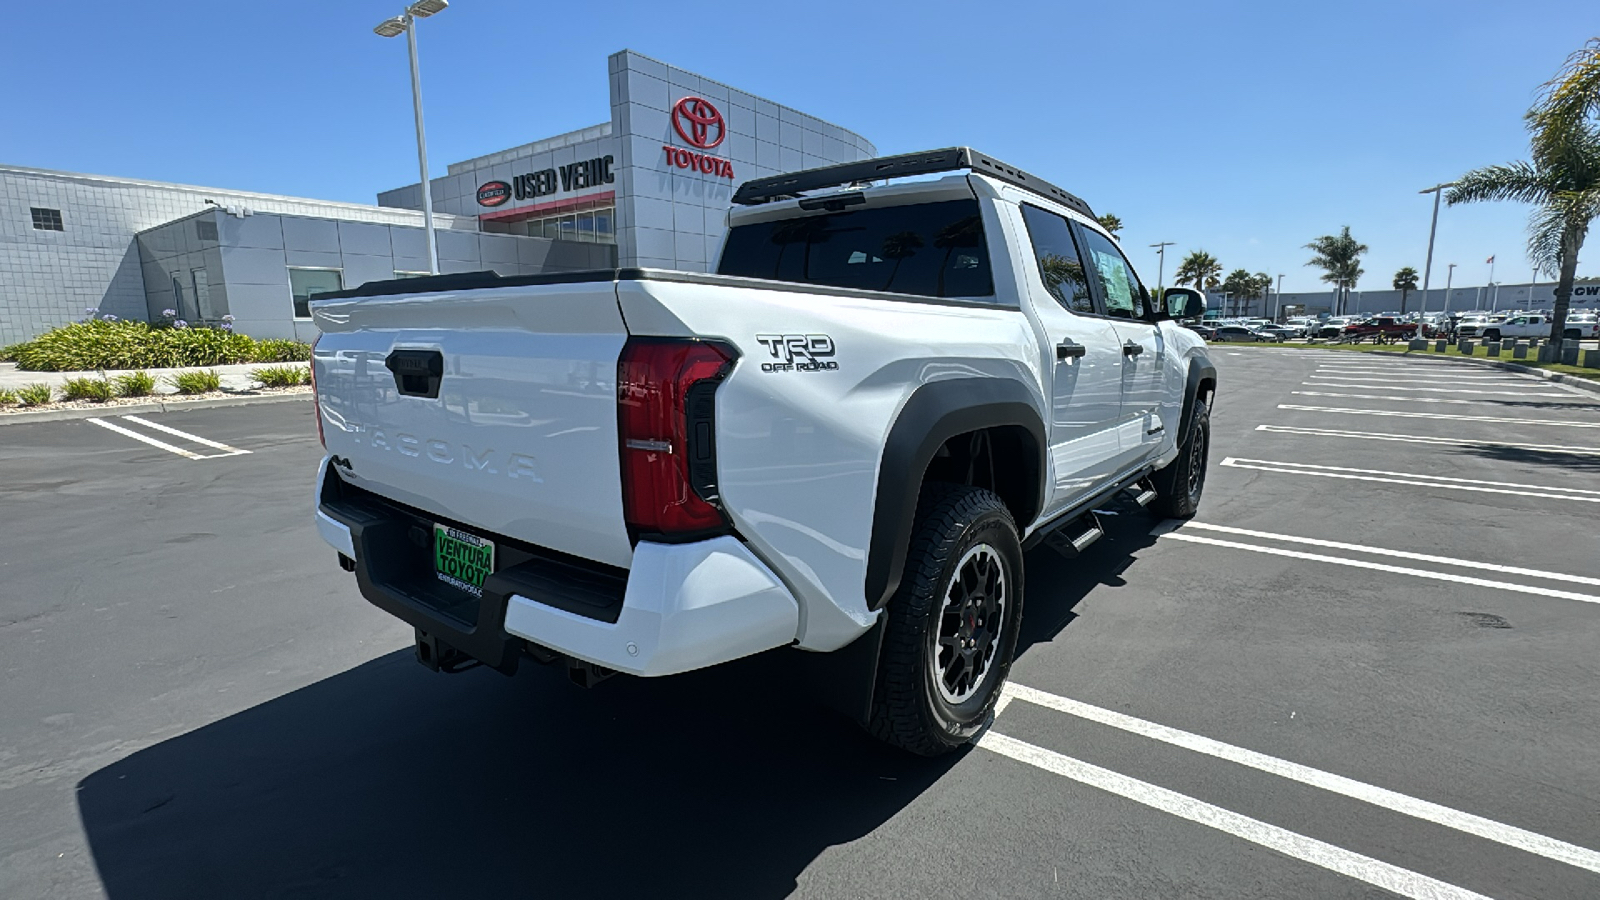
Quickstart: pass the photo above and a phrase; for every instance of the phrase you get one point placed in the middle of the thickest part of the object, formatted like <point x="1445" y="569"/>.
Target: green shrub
<point x="282" y="376"/>
<point x="99" y="344"/>
<point x="135" y="384"/>
<point x="281" y="350"/>
<point x="196" y="382"/>
<point x="9" y="353"/>
<point x="37" y="394"/>
<point x="97" y="389"/>
<point x="8" y="398"/>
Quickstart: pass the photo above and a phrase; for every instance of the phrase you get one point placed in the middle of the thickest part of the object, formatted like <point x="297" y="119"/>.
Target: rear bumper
<point x="679" y="607"/>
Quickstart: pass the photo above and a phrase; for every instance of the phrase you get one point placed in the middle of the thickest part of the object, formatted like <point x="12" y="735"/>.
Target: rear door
<point x="1142" y="346"/>
<point x="1085" y="362"/>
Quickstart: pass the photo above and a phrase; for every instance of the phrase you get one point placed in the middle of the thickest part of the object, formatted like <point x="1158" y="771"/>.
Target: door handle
<point x="1069" y="350"/>
<point x="1132" y="349"/>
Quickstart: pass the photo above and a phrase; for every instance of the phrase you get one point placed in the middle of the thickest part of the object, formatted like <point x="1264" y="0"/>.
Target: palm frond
<point x="1571" y="97"/>
<point x="1518" y="180"/>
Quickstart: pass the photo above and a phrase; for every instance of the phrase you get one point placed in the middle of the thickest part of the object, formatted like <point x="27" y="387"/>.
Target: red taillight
<point x="316" y="401"/>
<point x="664" y="412"/>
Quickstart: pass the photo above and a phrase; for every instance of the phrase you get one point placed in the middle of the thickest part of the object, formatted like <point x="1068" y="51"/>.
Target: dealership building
<point x="650" y="186"/>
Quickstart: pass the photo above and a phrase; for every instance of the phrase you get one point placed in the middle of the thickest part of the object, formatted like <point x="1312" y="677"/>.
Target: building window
<point x="596" y="226"/>
<point x="46" y="219"/>
<point x="307" y="283"/>
<point x="202" y="294"/>
<point x="402" y="275"/>
<point x="205" y="229"/>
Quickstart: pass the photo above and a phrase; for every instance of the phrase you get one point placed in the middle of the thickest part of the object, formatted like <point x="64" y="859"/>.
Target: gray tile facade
<point x="666" y="216"/>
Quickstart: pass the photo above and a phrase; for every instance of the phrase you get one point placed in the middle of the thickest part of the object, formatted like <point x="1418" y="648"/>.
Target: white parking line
<point x="1296" y="846"/>
<point x="1415" y="480"/>
<point x="1385" y="551"/>
<point x="1409" y="399"/>
<point x="1418" y="439"/>
<point x="187" y="454"/>
<point x="231" y="451"/>
<point x="1478" y="826"/>
<point x="1368" y="375"/>
<point x="1382" y="567"/>
<point x="1420" y="415"/>
<point x="1428" y="390"/>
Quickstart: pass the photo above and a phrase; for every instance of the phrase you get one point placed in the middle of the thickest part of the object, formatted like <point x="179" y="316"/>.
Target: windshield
<point x="932" y="249"/>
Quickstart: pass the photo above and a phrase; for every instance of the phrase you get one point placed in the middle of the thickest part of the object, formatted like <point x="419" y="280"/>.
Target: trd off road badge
<point x="798" y="352"/>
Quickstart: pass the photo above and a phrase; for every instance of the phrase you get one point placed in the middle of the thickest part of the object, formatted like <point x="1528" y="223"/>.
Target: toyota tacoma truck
<point x="841" y="440"/>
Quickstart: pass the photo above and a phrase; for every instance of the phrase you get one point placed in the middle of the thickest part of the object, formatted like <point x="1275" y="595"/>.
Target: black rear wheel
<point x="953" y="624"/>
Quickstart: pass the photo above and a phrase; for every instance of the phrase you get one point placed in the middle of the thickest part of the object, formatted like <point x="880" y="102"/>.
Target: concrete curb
<point x="133" y="409"/>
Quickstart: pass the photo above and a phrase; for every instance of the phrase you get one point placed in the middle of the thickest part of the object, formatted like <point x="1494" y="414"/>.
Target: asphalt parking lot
<point x="1366" y="669"/>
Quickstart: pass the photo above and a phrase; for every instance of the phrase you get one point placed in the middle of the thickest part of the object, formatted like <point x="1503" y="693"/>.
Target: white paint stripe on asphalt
<point x="1296" y="846"/>
<point x="146" y="439"/>
<point x="1398" y="554"/>
<point x="1418" y="439"/>
<point x="1420" y="415"/>
<point x="1413" y="475"/>
<point x="1427" y="390"/>
<point x="1478" y="826"/>
<point x="1455" y="484"/>
<point x="1368" y="375"/>
<point x="1384" y="567"/>
<point x="1409" y="399"/>
<point x="231" y="451"/>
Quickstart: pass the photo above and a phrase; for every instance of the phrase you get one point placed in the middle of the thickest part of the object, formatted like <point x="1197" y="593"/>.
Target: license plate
<point x="462" y="560"/>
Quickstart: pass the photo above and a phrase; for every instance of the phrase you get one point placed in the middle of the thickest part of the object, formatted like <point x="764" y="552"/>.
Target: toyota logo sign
<point x="493" y="193"/>
<point x="694" y="118"/>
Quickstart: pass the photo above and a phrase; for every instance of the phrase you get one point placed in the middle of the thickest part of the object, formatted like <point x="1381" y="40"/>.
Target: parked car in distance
<point x="1387" y="326"/>
<point x="1583" y="326"/>
<point x="1206" y="331"/>
<point x="1334" y="327"/>
<point x="1283" y="332"/>
<point x="1244" y="333"/>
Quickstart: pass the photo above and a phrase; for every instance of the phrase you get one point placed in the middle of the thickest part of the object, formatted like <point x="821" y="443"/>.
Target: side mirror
<point x="1183" y="303"/>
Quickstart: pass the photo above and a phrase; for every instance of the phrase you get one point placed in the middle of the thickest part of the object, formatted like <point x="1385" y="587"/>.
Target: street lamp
<point x="1278" y="306"/>
<point x="1449" y="276"/>
<point x="406" y="23"/>
<point x="1161" y="265"/>
<point x="1427" y="269"/>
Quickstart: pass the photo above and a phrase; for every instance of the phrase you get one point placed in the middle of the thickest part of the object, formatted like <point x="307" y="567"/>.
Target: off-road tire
<point x="1180" y="484"/>
<point x="908" y="709"/>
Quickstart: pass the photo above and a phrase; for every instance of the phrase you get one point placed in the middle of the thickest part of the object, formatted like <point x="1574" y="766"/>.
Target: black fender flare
<point x="936" y="412"/>
<point x="1199" y="370"/>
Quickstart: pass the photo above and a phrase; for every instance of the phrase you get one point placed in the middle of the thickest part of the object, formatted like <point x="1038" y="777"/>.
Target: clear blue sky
<point x="1245" y="129"/>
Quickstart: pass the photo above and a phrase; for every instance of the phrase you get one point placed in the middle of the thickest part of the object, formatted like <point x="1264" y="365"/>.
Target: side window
<point x="1060" y="266"/>
<point x="1125" y="296"/>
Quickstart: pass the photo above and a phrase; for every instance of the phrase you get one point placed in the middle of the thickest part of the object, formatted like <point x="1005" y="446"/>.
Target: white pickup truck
<point x="841" y="441"/>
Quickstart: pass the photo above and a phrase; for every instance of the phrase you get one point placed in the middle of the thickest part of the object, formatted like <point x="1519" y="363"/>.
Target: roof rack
<point x="788" y="186"/>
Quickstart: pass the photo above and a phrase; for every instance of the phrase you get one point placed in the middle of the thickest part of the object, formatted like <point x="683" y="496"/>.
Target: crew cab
<point x="1384" y="326"/>
<point x="840" y="441"/>
<point x="1522" y="325"/>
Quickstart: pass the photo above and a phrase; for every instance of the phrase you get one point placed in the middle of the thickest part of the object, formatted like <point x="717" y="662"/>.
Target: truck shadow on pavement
<point x="389" y="780"/>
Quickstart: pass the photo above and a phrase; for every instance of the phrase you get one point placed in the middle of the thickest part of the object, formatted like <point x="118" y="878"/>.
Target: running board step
<point x="1144" y="492"/>
<point x="1072" y="539"/>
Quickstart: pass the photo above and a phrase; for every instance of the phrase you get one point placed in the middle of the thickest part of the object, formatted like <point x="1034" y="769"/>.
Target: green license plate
<point x="462" y="560"/>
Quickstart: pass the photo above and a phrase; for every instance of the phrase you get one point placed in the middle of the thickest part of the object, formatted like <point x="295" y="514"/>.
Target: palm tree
<point x="1200" y="269"/>
<point x="1563" y="178"/>
<point x="1239" y="286"/>
<point x="1110" y="222"/>
<point x="1339" y="257"/>
<point x="1405" y="281"/>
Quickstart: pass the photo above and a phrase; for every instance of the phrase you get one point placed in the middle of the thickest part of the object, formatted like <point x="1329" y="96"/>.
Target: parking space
<point x="1366" y="669"/>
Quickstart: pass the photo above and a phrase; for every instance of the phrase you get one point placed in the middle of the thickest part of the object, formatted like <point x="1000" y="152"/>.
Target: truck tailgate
<point x="494" y="409"/>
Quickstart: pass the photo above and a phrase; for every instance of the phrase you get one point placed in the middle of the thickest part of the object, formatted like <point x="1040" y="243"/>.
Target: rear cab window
<point x="935" y="249"/>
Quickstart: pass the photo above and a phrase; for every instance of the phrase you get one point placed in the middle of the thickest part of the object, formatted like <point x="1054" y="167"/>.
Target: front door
<point x="1143" y="347"/>
<point x="1083" y="359"/>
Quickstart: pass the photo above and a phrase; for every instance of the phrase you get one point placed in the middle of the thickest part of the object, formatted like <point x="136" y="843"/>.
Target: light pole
<point x="1277" y="306"/>
<point x="406" y="23"/>
<point x="1161" y="264"/>
<point x="1427" y="268"/>
<point x="1448" y="277"/>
